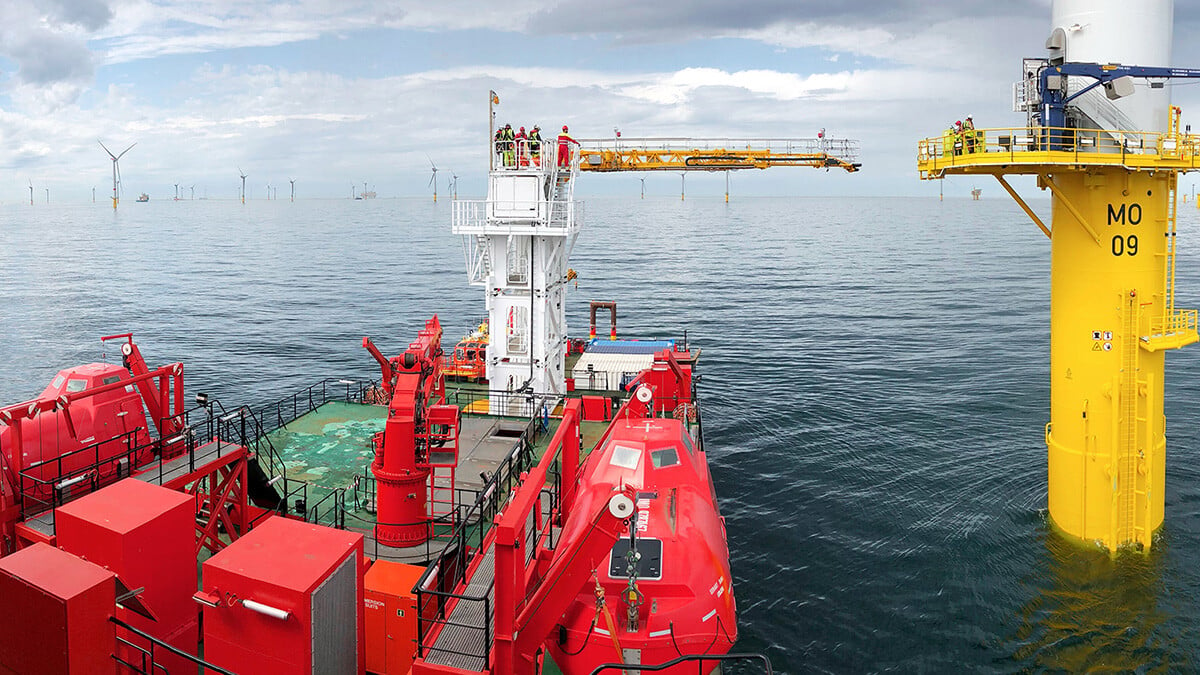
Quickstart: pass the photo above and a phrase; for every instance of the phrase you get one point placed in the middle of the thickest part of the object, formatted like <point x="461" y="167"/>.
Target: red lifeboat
<point x="680" y="601"/>
<point x="93" y="420"/>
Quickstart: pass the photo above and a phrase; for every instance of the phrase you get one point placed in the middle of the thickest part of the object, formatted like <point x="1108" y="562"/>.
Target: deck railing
<point x="1014" y="144"/>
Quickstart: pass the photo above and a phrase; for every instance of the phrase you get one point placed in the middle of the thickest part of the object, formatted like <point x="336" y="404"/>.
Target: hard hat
<point x="959" y="122"/>
<point x="523" y="128"/>
<point x="564" y="127"/>
<point x="968" y="117"/>
<point x="536" y="128"/>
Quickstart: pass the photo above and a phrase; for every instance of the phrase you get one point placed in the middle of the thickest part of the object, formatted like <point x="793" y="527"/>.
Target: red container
<point x="55" y="614"/>
<point x="146" y="535"/>
<point x="286" y="598"/>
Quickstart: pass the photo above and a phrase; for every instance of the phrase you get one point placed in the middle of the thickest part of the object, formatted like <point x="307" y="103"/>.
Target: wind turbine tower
<point x="293" y="182"/>
<point x="31" y="192"/>
<point x="116" y="197"/>
<point x="433" y="178"/>
<point x="243" y="175"/>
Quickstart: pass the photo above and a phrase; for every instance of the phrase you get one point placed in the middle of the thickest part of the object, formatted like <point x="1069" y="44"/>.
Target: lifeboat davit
<point x="680" y="601"/>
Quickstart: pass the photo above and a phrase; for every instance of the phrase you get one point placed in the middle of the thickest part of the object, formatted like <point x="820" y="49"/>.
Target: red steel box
<point x="146" y="535"/>
<point x="54" y="611"/>
<point x="286" y="598"/>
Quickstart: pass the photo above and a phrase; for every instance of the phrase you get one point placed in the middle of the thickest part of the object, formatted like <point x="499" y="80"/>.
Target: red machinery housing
<point x="286" y="598"/>
<point x="55" y="618"/>
<point x="419" y="441"/>
<point x="145" y="534"/>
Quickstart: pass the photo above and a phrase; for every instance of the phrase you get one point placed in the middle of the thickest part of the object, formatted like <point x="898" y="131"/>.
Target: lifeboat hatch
<point x="649" y="567"/>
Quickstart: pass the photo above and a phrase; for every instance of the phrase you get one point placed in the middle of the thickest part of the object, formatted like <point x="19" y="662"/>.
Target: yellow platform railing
<point x="1018" y="149"/>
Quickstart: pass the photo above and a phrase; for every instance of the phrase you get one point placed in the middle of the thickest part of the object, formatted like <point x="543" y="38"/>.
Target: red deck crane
<point x="419" y="439"/>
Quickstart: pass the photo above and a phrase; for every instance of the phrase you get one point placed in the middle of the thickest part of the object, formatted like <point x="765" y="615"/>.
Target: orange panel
<point x="391" y="617"/>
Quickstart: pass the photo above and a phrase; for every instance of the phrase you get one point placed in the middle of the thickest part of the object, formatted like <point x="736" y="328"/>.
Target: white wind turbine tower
<point x="192" y="187"/>
<point x="433" y="178"/>
<point x="116" y="170"/>
<point x="177" y="192"/>
<point x="31" y="192"/>
<point x="243" y="175"/>
<point x="453" y="185"/>
<point x="293" y="182"/>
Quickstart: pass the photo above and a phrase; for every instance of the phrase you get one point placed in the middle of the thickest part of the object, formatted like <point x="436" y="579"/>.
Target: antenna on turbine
<point x="293" y="182"/>
<point x="433" y="178"/>
<point x="243" y="175"/>
<point x="116" y="171"/>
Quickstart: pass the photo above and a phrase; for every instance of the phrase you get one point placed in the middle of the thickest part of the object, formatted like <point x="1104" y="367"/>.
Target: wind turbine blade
<point x="125" y="151"/>
<point x="430" y="181"/>
<point x="106" y="149"/>
<point x="431" y="161"/>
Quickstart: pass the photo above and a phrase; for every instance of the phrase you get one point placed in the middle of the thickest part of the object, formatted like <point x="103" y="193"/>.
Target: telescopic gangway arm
<point x="715" y="154"/>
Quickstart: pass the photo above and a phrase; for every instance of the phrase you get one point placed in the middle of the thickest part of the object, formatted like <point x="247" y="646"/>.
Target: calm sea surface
<point x="875" y="381"/>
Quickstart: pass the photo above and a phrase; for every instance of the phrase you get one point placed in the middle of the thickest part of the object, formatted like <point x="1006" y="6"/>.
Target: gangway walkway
<point x="716" y="154"/>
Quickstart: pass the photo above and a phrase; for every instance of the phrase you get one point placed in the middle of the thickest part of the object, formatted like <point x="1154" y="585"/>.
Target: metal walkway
<point x="463" y="643"/>
<point x="178" y="467"/>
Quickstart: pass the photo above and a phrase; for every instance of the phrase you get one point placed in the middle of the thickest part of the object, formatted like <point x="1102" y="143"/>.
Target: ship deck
<point x="330" y="447"/>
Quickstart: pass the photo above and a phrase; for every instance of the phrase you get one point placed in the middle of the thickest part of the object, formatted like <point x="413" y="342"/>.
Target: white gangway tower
<point x="517" y="243"/>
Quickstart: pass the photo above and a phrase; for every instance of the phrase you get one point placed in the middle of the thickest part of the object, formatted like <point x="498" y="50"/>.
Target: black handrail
<point x="469" y="536"/>
<point x="155" y="643"/>
<point x="700" y="660"/>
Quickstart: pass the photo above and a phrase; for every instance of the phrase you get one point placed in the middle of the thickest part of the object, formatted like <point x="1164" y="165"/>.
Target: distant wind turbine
<point x="116" y="170"/>
<point x="643" y="187"/>
<point x="192" y="187"/>
<point x="177" y="192"/>
<point x="433" y="178"/>
<point x="243" y="175"/>
<point x="453" y="185"/>
<point x="31" y="192"/>
<point x="293" y="182"/>
<point x="47" y="195"/>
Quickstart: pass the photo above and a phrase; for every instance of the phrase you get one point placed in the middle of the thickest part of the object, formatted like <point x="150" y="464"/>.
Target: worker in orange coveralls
<point x="564" y="147"/>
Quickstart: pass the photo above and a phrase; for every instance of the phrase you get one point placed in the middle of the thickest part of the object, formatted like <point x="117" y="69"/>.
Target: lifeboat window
<point x="76" y="385"/>
<point x="687" y="442"/>
<point x="664" y="457"/>
<point x="470" y="354"/>
<point x="57" y="381"/>
<point x="625" y="457"/>
<point x="111" y="378"/>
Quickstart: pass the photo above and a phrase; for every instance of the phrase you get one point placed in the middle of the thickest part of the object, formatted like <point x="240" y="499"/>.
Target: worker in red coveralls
<point x="564" y="147"/>
<point x="522" y="143"/>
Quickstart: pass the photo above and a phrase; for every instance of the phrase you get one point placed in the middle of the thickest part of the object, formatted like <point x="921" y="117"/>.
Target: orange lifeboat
<point x="666" y="589"/>
<point x="468" y="360"/>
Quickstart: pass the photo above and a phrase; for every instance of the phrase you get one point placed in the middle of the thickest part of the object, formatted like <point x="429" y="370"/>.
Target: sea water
<point x="875" y="383"/>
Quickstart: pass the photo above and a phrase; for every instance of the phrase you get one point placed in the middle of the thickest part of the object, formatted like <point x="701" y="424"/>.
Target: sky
<point x="337" y="93"/>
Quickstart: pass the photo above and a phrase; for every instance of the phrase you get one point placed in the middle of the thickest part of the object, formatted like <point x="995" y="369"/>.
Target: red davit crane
<point x="420" y="437"/>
